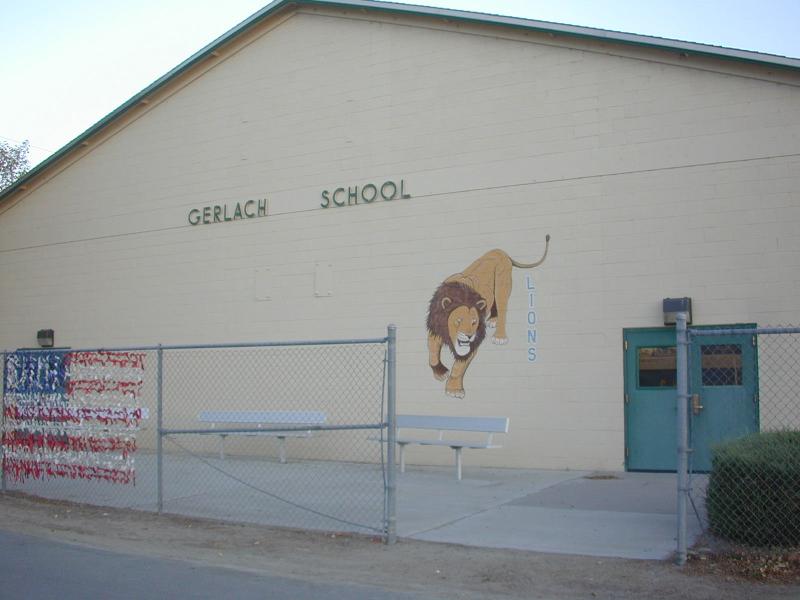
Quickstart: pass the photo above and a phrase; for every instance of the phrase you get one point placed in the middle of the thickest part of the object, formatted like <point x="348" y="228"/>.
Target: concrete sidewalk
<point x="626" y="515"/>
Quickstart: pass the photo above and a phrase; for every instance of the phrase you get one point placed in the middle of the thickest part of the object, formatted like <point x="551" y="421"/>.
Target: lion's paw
<point x="500" y="341"/>
<point x="455" y="393"/>
<point x="439" y="372"/>
<point x="491" y="323"/>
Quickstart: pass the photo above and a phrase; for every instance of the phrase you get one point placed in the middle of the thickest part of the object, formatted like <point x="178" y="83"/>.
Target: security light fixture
<point x="672" y="306"/>
<point x="45" y="337"/>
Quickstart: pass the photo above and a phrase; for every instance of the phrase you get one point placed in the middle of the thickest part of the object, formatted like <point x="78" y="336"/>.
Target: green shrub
<point x="754" y="489"/>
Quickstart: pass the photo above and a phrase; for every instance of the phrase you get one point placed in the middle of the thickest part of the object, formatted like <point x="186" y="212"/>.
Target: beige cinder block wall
<point x="656" y="176"/>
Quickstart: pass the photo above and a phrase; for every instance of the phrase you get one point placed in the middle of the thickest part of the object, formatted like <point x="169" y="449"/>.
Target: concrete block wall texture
<point x="655" y="177"/>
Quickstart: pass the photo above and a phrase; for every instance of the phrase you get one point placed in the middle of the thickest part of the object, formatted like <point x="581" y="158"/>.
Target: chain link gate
<point x="743" y="412"/>
<point x="289" y="434"/>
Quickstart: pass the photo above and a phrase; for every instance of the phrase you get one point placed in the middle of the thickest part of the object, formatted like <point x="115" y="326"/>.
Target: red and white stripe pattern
<point x="81" y="427"/>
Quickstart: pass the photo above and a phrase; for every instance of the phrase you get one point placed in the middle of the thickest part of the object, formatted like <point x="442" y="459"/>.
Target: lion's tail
<point x="520" y="265"/>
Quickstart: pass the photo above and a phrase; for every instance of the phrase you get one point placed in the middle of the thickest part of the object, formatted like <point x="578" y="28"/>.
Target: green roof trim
<point x="689" y="48"/>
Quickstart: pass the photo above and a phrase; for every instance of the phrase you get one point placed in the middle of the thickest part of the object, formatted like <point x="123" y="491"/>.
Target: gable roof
<point x="589" y="33"/>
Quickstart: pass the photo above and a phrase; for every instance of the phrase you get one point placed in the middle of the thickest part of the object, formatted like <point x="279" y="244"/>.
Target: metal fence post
<point x="160" y="441"/>
<point x="682" y="344"/>
<point x="391" y="414"/>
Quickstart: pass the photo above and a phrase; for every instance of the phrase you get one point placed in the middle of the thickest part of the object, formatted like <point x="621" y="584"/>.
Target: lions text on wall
<point x="462" y="307"/>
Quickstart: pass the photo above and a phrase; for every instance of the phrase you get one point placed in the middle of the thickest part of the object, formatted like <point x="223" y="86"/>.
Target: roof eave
<point x="198" y="56"/>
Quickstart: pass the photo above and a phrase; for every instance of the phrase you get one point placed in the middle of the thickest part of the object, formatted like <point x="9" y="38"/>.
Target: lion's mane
<point x="461" y="295"/>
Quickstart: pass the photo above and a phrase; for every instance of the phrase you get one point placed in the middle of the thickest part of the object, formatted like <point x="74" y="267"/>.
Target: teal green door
<point x="650" y="417"/>
<point x="724" y="381"/>
<point x="722" y="373"/>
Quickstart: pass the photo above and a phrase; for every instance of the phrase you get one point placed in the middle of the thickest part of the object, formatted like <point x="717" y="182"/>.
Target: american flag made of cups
<point x="72" y="415"/>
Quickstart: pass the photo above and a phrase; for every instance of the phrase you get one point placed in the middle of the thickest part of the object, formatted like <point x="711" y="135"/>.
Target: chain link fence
<point x="286" y="434"/>
<point x="744" y="427"/>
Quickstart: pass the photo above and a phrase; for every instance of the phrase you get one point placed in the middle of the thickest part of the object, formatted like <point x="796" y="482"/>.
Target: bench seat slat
<point x="480" y="424"/>
<point x="448" y="443"/>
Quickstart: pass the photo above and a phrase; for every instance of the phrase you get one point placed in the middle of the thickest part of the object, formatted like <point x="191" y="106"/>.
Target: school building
<point x="329" y="167"/>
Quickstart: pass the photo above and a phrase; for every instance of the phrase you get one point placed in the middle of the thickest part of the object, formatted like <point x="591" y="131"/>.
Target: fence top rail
<point x="344" y="342"/>
<point x="743" y="331"/>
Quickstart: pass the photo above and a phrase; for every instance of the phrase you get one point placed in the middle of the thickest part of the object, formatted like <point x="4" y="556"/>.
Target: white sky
<point x="67" y="64"/>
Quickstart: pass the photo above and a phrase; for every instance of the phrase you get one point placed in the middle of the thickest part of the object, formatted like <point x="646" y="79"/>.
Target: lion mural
<point x="461" y="309"/>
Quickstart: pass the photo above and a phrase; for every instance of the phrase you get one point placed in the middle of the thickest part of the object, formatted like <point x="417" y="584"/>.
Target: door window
<point x="721" y="364"/>
<point x="657" y="367"/>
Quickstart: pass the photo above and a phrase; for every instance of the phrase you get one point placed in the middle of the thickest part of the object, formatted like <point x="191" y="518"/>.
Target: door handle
<point x="697" y="408"/>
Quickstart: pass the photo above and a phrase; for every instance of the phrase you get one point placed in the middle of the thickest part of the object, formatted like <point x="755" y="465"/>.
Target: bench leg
<point x="458" y="462"/>
<point x="282" y="449"/>
<point x="222" y="447"/>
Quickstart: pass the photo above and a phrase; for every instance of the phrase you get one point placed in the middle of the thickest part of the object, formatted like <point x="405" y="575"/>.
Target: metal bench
<point x="487" y="425"/>
<point x="272" y="422"/>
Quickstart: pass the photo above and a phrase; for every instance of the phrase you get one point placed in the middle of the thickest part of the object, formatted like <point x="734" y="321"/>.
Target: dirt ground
<point x="429" y="569"/>
<point x="713" y="556"/>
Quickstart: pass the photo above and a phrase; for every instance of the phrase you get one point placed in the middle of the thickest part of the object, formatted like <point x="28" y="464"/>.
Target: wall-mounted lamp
<point x="46" y="338"/>
<point x="672" y="306"/>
